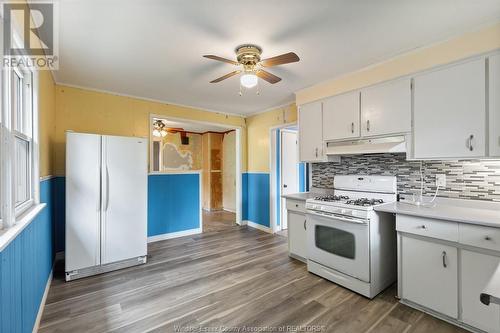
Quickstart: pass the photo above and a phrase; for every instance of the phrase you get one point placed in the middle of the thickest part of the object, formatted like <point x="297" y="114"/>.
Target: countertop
<point x="300" y="196"/>
<point x="465" y="211"/>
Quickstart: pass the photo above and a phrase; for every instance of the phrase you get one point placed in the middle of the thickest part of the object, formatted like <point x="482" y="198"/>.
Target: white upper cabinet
<point x="450" y="112"/>
<point x="311" y="133"/>
<point x="386" y="108"/>
<point x="494" y="107"/>
<point x="341" y="117"/>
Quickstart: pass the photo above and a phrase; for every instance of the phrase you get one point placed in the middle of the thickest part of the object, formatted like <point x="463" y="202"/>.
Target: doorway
<point x="219" y="180"/>
<point x="289" y="170"/>
<point x="180" y="146"/>
<point x="288" y="175"/>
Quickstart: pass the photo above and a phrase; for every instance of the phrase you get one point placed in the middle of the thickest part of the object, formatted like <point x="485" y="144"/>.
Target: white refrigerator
<point x="106" y="203"/>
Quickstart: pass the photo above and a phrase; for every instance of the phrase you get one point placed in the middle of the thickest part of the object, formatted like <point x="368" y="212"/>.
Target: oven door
<point x="339" y="243"/>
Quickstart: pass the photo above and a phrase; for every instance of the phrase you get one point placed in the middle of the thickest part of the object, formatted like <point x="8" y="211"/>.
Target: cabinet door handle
<point x="423" y="227"/>
<point x="368" y="126"/>
<point x="305" y="225"/>
<point x="444" y="259"/>
<point x="316" y="152"/>
<point x="488" y="238"/>
<point x="352" y="128"/>
<point x="470" y="142"/>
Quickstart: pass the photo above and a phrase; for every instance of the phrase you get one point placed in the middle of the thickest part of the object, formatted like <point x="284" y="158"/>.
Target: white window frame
<point x="10" y="214"/>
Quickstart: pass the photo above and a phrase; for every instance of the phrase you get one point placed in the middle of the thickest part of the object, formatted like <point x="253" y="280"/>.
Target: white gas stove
<point x="348" y="241"/>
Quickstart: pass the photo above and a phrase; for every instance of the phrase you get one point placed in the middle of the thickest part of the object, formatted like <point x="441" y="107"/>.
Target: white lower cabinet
<point x="430" y="275"/>
<point x="476" y="269"/>
<point x="448" y="274"/>
<point x="297" y="234"/>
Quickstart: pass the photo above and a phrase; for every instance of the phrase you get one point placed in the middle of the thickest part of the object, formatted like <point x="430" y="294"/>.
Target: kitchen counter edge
<point x="446" y="212"/>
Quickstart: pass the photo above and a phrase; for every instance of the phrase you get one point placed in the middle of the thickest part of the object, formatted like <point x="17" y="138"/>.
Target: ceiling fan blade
<point x="271" y="78"/>
<point x="214" y="57"/>
<point x="225" y="76"/>
<point x="280" y="60"/>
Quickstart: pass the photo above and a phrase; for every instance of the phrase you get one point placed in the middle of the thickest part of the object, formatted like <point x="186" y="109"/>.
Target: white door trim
<point x="272" y="171"/>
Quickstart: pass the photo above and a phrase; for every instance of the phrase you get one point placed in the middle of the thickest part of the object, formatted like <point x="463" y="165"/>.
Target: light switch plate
<point x="441" y="180"/>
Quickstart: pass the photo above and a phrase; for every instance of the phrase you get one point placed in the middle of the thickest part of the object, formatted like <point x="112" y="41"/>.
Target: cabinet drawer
<point x="296" y="205"/>
<point x="479" y="236"/>
<point x="427" y="227"/>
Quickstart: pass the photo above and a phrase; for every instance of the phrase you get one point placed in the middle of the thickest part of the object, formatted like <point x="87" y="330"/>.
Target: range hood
<point x="392" y="144"/>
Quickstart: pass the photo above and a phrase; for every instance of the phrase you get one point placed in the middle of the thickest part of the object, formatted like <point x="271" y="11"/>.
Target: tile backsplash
<point x="465" y="179"/>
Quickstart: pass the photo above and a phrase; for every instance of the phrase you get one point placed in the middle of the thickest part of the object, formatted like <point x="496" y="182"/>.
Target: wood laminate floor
<point x="231" y="278"/>
<point x="218" y="220"/>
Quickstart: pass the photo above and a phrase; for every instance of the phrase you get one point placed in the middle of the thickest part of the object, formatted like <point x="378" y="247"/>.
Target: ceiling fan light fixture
<point x="249" y="80"/>
<point x="159" y="129"/>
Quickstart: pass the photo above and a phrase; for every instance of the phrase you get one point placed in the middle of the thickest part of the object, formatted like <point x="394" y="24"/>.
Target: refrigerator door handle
<point x="107" y="189"/>
<point x="99" y="197"/>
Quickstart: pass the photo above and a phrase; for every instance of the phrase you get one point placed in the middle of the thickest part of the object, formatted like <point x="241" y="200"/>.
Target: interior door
<point x="83" y="160"/>
<point x="341" y="116"/>
<point x="124" y="203"/>
<point x="289" y="170"/>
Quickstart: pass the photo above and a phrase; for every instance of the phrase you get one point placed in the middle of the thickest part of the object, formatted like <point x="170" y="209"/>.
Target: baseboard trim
<point x="257" y="226"/>
<point x="230" y="210"/>
<point x="42" y="303"/>
<point x="171" y="235"/>
<point x="59" y="256"/>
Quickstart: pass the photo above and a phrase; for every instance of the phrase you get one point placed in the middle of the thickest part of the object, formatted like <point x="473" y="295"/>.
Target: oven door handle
<point x="336" y="217"/>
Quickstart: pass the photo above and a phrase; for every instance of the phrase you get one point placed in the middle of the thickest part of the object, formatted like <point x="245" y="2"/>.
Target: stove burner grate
<point x="364" y="202"/>
<point x="331" y="198"/>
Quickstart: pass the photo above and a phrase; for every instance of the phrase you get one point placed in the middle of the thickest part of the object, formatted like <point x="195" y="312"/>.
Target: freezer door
<point x="124" y="203"/>
<point x="83" y="160"/>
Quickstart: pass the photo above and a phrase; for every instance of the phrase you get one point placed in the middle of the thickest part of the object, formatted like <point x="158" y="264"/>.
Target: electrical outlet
<point x="441" y="180"/>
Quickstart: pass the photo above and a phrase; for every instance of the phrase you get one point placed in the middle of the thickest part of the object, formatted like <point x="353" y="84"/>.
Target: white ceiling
<point x="153" y="48"/>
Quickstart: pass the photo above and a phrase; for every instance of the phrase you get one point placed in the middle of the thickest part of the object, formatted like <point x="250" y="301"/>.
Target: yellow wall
<point x="47" y="121"/>
<point x="258" y="135"/>
<point x="467" y="45"/>
<point x="89" y="111"/>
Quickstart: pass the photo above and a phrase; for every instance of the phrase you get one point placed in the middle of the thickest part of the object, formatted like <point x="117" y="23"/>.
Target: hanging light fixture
<point x="249" y="80"/>
<point x="159" y="129"/>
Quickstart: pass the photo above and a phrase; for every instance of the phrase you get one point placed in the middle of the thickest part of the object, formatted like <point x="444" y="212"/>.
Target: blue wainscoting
<point x="59" y="192"/>
<point x="25" y="266"/>
<point x="244" y="196"/>
<point x="173" y="203"/>
<point x="257" y="198"/>
<point x="303" y="179"/>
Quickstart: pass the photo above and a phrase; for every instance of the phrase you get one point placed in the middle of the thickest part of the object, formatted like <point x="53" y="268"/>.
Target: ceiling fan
<point x="248" y="59"/>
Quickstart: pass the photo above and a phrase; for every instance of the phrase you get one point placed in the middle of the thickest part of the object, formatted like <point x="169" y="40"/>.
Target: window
<point x="22" y="115"/>
<point x="18" y="142"/>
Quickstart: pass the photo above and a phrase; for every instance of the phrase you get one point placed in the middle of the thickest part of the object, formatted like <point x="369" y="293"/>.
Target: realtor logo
<point x="29" y="36"/>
